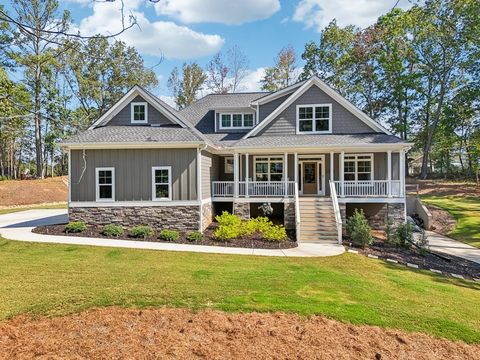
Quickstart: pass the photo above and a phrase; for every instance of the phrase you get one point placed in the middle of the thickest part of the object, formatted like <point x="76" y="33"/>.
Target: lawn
<point x="466" y="211"/>
<point x="59" y="279"/>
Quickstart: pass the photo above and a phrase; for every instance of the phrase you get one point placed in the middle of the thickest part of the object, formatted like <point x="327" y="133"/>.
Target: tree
<point x="186" y="87"/>
<point x="238" y="65"/>
<point x="225" y="75"/>
<point x="282" y="74"/>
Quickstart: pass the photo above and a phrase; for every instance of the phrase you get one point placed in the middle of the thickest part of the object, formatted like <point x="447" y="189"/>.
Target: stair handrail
<point x="297" y="212"/>
<point x="336" y="210"/>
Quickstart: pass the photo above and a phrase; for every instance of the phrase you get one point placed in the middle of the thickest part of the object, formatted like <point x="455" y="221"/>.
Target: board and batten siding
<point x="210" y="169"/>
<point x="124" y="116"/>
<point x="343" y="121"/>
<point x="133" y="172"/>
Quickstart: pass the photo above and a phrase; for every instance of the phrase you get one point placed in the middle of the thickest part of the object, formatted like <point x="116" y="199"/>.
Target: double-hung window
<point x="161" y="183"/>
<point x="105" y="184"/>
<point x="358" y="167"/>
<point x="314" y="119"/>
<point x="236" y="121"/>
<point x="268" y="168"/>
<point x="138" y="113"/>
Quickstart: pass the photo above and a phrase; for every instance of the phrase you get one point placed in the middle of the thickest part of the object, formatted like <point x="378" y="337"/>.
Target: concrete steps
<point x="317" y="221"/>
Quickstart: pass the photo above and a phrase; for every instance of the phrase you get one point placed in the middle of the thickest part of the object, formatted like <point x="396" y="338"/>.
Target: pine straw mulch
<point x="165" y="333"/>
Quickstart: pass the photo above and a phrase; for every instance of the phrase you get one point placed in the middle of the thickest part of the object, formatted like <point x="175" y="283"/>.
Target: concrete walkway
<point x="18" y="226"/>
<point x="446" y="245"/>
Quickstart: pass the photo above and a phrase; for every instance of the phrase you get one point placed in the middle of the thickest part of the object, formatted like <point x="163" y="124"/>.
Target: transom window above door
<point x="268" y="168"/>
<point x="139" y="113"/>
<point x="358" y="167"/>
<point x="236" y="121"/>
<point x="314" y="119"/>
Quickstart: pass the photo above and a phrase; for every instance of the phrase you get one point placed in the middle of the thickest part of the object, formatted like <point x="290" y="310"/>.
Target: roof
<point x="135" y="134"/>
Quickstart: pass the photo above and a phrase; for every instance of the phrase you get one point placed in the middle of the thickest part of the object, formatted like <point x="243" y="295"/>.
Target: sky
<point x="178" y="31"/>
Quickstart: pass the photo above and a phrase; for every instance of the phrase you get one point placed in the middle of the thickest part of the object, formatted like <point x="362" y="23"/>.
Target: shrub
<point x="228" y="219"/>
<point x="358" y="229"/>
<point x="275" y="233"/>
<point x="229" y="227"/>
<point x="195" y="236"/>
<point x="75" y="227"/>
<point x="112" y="230"/>
<point x="169" y="235"/>
<point x="404" y="235"/>
<point x="141" y="231"/>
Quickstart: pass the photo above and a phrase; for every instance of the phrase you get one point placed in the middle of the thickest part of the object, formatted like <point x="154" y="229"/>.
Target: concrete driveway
<point x="18" y="226"/>
<point x="449" y="246"/>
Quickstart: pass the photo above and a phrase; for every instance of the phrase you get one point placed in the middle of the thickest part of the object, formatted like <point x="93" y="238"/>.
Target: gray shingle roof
<point x="134" y="134"/>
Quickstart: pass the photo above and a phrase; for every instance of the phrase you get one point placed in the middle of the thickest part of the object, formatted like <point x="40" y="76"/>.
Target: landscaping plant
<point x="195" y="236"/>
<point x="141" y="231"/>
<point x="112" y="230"/>
<point x="75" y="227"/>
<point x="169" y="235"/>
<point x="404" y="235"/>
<point x="358" y="229"/>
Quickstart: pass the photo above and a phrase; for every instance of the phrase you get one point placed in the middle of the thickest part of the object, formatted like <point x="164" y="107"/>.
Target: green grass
<point x="466" y="211"/>
<point x="32" y="207"/>
<point x="59" y="279"/>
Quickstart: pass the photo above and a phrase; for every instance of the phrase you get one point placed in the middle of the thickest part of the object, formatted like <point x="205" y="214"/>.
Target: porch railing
<point x="254" y="188"/>
<point x="336" y="210"/>
<point x="369" y="188"/>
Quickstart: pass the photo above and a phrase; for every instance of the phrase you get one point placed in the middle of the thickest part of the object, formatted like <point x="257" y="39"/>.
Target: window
<point x="314" y="119"/>
<point x="161" y="183"/>
<point x="105" y="184"/>
<point x="358" y="167"/>
<point x="139" y="113"/>
<point x="268" y="168"/>
<point x="228" y="165"/>
<point x="236" y="121"/>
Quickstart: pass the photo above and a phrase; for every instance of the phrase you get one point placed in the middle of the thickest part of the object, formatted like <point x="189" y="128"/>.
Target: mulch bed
<point x="456" y="265"/>
<point x="165" y="333"/>
<point x="442" y="221"/>
<point x="254" y="242"/>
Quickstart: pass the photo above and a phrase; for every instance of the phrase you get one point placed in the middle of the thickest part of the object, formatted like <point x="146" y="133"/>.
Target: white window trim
<point x="255" y="160"/>
<point x="356" y="160"/>
<point x="97" y="185"/>
<point x="225" y="165"/>
<point x="329" y="131"/>
<point x="145" y="104"/>
<point x="169" y="169"/>
<point x="221" y="127"/>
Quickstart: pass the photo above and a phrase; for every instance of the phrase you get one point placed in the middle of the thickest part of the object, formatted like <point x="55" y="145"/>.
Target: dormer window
<point x="236" y="121"/>
<point x="139" y="113"/>
<point x="314" y="119"/>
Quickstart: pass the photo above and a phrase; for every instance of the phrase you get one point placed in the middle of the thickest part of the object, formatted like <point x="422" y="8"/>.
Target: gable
<point x="267" y="108"/>
<point x="123" y="117"/>
<point x="343" y="121"/>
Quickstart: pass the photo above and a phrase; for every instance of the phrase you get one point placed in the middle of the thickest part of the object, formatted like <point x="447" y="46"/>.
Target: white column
<point x="295" y="169"/>
<point x="285" y="172"/>
<point x="247" y="155"/>
<point x="332" y="166"/>
<point x="235" y="175"/>
<point x="199" y="174"/>
<point x="401" y="171"/>
<point x="342" y="178"/>
<point x="389" y="173"/>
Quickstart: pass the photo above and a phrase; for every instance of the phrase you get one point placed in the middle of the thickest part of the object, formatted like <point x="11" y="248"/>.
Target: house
<point x="305" y="149"/>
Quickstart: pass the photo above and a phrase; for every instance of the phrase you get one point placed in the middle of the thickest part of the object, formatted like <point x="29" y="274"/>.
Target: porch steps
<point x="317" y="220"/>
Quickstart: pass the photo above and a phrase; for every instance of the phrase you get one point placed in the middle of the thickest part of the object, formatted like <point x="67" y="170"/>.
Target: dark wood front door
<point x="310" y="178"/>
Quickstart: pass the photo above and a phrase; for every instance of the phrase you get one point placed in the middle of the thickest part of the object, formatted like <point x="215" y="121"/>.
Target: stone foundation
<point x="207" y="215"/>
<point x="289" y="215"/>
<point x="242" y="210"/>
<point x="378" y="214"/>
<point x="182" y="218"/>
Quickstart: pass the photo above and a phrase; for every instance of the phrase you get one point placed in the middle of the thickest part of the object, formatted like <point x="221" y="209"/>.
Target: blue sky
<point x="194" y="30"/>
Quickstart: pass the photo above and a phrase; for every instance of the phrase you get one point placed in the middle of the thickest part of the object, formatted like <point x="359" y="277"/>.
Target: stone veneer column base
<point x="394" y="212"/>
<point x="242" y="210"/>
<point x="289" y="215"/>
<point x="207" y="215"/>
<point x="182" y="218"/>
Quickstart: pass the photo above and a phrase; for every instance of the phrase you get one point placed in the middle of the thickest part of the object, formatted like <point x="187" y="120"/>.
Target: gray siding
<point x="343" y="121"/>
<point x="210" y="169"/>
<point x="124" y="117"/>
<point x="266" y="109"/>
<point x="133" y="172"/>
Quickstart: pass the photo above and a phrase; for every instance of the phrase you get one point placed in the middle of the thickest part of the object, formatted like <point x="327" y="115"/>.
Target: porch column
<point x="285" y="172"/>
<point x="332" y="166"/>
<point x="247" y="155"/>
<point x="342" y="178"/>
<point x="389" y="173"/>
<point x="295" y="169"/>
<point x="401" y="171"/>
<point x="235" y="174"/>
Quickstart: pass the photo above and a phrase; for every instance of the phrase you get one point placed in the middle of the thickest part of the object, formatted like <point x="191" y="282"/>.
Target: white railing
<point x="336" y="210"/>
<point x="253" y="188"/>
<point x="370" y="188"/>
<point x="297" y="212"/>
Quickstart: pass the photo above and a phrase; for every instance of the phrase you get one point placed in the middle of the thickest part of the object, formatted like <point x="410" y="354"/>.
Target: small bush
<point x="404" y="235"/>
<point x="275" y="233"/>
<point x="75" y="227"/>
<point x="112" y="230"/>
<point x="227" y="219"/>
<point x="195" y="236"/>
<point x="169" y="235"/>
<point x="141" y="231"/>
<point x="358" y="229"/>
<point x="229" y="227"/>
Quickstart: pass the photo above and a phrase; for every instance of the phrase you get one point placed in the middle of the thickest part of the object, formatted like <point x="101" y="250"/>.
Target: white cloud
<point x="170" y="100"/>
<point x="318" y="13"/>
<point x="157" y="38"/>
<point x="230" y="12"/>
<point x="251" y="82"/>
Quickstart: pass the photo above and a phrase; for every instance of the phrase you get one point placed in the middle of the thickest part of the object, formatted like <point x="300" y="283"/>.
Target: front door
<point x="310" y="178"/>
